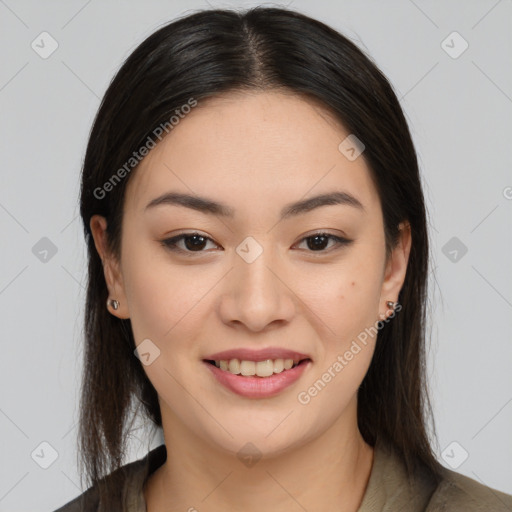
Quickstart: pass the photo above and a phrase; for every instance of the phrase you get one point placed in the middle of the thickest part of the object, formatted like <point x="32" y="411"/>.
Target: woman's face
<point x="255" y="285"/>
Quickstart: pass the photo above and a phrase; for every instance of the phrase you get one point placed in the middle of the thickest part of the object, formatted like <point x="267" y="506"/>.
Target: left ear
<point x="396" y="268"/>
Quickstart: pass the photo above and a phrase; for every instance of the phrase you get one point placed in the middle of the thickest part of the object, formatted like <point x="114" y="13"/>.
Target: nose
<point x="257" y="294"/>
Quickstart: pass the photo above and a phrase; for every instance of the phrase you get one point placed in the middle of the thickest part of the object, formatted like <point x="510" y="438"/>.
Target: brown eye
<point x="319" y="241"/>
<point x="192" y="242"/>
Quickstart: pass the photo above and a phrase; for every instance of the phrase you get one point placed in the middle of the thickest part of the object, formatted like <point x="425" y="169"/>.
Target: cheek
<point x="345" y="302"/>
<point x="163" y="298"/>
<point x="345" y="297"/>
<point x="166" y="305"/>
<point x="348" y="313"/>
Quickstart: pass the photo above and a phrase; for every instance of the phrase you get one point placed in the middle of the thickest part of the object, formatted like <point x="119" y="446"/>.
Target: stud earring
<point x="391" y="305"/>
<point x="114" y="303"/>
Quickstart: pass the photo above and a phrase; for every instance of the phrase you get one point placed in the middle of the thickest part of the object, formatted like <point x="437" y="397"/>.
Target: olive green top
<point x="389" y="489"/>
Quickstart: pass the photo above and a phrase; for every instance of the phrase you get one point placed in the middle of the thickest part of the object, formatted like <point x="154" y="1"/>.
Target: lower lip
<point x="258" y="387"/>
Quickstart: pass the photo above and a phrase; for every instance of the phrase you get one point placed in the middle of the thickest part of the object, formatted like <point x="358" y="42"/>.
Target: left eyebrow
<point x="209" y="206"/>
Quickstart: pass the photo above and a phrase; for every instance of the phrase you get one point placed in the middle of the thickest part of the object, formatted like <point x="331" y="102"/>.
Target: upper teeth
<point x="259" y="368"/>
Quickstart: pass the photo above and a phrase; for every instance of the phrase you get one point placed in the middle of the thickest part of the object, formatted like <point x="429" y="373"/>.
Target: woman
<point x="258" y="261"/>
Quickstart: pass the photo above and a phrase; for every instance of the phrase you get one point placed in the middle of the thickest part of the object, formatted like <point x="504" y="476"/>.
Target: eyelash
<point x="171" y="243"/>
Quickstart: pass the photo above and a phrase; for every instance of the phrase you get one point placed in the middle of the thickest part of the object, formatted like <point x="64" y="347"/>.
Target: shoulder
<point x="89" y="501"/>
<point x="131" y="477"/>
<point x="459" y="492"/>
<point x="86" y="502"/>
<point x="392" y="487"/>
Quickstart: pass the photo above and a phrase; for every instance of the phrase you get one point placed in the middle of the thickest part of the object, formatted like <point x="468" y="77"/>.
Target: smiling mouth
<point x="263" y="369"/>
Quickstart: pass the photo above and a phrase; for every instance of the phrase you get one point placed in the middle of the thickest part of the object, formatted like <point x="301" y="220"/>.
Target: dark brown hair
<point x="203" y="55"/>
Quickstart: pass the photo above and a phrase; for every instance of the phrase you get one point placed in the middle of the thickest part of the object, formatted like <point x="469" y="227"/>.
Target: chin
<point x="259" y="438"/>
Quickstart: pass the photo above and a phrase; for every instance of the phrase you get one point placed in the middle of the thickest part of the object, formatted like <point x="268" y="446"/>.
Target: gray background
<point x="460" y="115"/>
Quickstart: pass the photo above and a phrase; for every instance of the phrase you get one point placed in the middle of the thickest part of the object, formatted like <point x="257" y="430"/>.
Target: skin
<point x="255" y="152"/>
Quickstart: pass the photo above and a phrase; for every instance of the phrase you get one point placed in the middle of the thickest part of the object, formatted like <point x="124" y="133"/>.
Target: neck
<point x="329" y="473"/>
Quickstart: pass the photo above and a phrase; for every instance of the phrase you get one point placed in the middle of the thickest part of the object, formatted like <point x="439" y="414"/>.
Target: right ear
<point x="111" y="267"/>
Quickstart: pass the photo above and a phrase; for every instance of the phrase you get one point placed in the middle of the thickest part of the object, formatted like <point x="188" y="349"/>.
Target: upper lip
<point x="247" y="354"/>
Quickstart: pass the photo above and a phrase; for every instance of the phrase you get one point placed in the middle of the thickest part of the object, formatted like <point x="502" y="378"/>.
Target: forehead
<point x="252" y="151"/>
